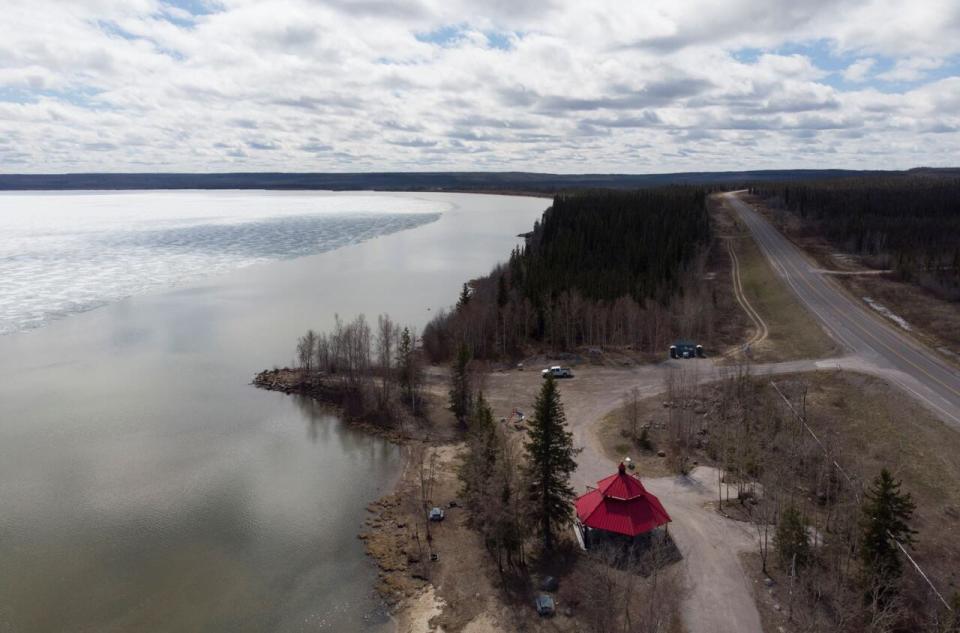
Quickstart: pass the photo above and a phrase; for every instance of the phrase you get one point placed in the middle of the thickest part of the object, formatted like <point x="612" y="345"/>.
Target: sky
<point x="602" y="86"/>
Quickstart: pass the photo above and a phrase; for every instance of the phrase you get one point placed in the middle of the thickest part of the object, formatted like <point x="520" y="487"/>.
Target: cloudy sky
<point x="361" y="85"/>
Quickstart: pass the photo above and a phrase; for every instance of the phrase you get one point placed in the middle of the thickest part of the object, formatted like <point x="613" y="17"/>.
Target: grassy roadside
<point x="794" y="333"/>
<point x="934" y="322"/>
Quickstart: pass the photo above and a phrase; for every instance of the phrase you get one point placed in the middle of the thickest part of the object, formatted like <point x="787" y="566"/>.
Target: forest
<point x="600" y="268"/>
<point x="908" y="223"/>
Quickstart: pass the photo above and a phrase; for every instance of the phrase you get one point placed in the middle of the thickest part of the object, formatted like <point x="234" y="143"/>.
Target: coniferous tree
<point x="502" y="297"/>
<point x="477" y="471"/>
<point x="460" y="397"/>
<point x="550" y="461"/>
<point x="791" y="539"/>
<point x="885" y="522"/>
<point x="464" y="298"/>
<point x="408" y="369"/>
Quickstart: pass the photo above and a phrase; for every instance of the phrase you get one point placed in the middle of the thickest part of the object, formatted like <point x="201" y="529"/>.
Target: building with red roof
<point x="621" y="505"/>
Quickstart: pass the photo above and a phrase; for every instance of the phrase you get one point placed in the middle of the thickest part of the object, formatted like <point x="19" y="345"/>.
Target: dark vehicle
<point x="686" y="349"/>
<point x="545" y="605"/>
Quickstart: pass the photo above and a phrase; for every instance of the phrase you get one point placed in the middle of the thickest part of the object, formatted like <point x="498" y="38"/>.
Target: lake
<point x="144" y="484"/>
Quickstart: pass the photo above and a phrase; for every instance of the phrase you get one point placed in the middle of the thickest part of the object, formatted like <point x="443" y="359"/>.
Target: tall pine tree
<point x="885" y="521"/>
<point x="550" y="454"/>
<point x="460" y="397"/>
<point x="464" y="298"/>
<point x="408" y="368"/>
<point x="483" y="446"/>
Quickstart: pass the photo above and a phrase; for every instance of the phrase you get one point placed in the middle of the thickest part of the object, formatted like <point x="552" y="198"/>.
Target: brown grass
<point x="873" y="426"/>
<point x="731" y="324"/>
<point x="794" y="332"/>
<point x="616" y="443"/>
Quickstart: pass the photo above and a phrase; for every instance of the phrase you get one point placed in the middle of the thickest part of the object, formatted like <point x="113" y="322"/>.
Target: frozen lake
<point x="144" y="485"/>
<point x="66" y="253"/>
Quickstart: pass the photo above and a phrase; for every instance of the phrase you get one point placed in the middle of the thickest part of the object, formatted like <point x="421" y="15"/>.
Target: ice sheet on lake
<point x="63" y="253"/>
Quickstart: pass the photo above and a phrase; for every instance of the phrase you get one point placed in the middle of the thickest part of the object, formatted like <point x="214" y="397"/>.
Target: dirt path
<point x="761" y="329"/>
<point x="720" y="599"/>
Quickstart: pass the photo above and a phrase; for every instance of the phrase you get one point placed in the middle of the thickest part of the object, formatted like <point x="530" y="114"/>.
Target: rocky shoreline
<point x="328" y="392"/>
<point x="390" y="532"/>
<point x="388" y="542"/>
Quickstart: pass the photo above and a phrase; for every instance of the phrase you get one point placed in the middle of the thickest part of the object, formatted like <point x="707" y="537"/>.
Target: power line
<point x="856" y="493"/>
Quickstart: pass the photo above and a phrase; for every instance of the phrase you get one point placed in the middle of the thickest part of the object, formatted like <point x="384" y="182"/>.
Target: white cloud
<point x="303" y="85"/>
<point x="858" y="70"/>
<point x="911" y="69"/>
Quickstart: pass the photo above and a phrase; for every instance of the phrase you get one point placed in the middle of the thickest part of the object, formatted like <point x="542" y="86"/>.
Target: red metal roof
<point x="621" y="504"/>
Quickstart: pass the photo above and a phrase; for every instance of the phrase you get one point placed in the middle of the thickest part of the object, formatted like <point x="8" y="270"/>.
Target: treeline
<point x="374" y="374"/>
<point x="908" y="223"/>
<point x="600" y="268"/>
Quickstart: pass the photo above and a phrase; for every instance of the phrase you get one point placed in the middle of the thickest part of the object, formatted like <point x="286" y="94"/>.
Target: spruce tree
<point x="791" y="539"/>
<point x="477" y="471"/>
<point x="550" y="462"/>
<point x="464" y="298"/>
<point x="885" y="521"/>
<point x="502" y="297"/>
<point x="460" y="399"/>
<point x="408" y="368"/>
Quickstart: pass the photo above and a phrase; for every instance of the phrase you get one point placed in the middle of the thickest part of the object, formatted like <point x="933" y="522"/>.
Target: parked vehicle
<point x="686" y="349"/>
<point x="436" y="514"/>
<point x="545" y="605"/>
<point x="557" y="372"/>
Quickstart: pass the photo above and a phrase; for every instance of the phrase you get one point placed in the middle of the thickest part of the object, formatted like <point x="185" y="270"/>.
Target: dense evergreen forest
<point x="600" y="268"/>
<point x="908" y="223"/>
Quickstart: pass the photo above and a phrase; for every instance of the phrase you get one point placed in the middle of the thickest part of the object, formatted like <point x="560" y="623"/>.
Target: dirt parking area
<point x="717" y="597"/>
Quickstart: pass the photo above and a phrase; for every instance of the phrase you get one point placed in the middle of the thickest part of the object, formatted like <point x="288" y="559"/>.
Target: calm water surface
<point x="144" y="485"/>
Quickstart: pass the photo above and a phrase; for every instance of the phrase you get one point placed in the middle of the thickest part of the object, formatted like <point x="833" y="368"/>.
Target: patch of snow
<point x="885" y="311"/>
<point x="949" y="352"/>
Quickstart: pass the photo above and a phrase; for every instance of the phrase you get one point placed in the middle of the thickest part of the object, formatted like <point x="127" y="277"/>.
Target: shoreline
<point x="390" y="532"/>
<point x="292" y="382"/>
<point x="409" y="581"/>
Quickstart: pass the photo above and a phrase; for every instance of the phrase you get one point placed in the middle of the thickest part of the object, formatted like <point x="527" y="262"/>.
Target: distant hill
<point x="520" y="182"/>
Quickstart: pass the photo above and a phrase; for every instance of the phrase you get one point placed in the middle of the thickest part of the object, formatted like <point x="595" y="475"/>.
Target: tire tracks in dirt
<point x="761" y="329"/>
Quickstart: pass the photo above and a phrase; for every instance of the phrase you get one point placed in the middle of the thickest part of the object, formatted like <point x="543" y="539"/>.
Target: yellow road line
<point x="863" y="330"/>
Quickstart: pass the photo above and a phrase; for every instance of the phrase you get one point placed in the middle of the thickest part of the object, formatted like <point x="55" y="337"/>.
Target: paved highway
<point x="875" y="341"/>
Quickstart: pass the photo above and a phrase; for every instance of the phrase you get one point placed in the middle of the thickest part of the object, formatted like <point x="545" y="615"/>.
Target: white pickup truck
<point x="557" y="372"/>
